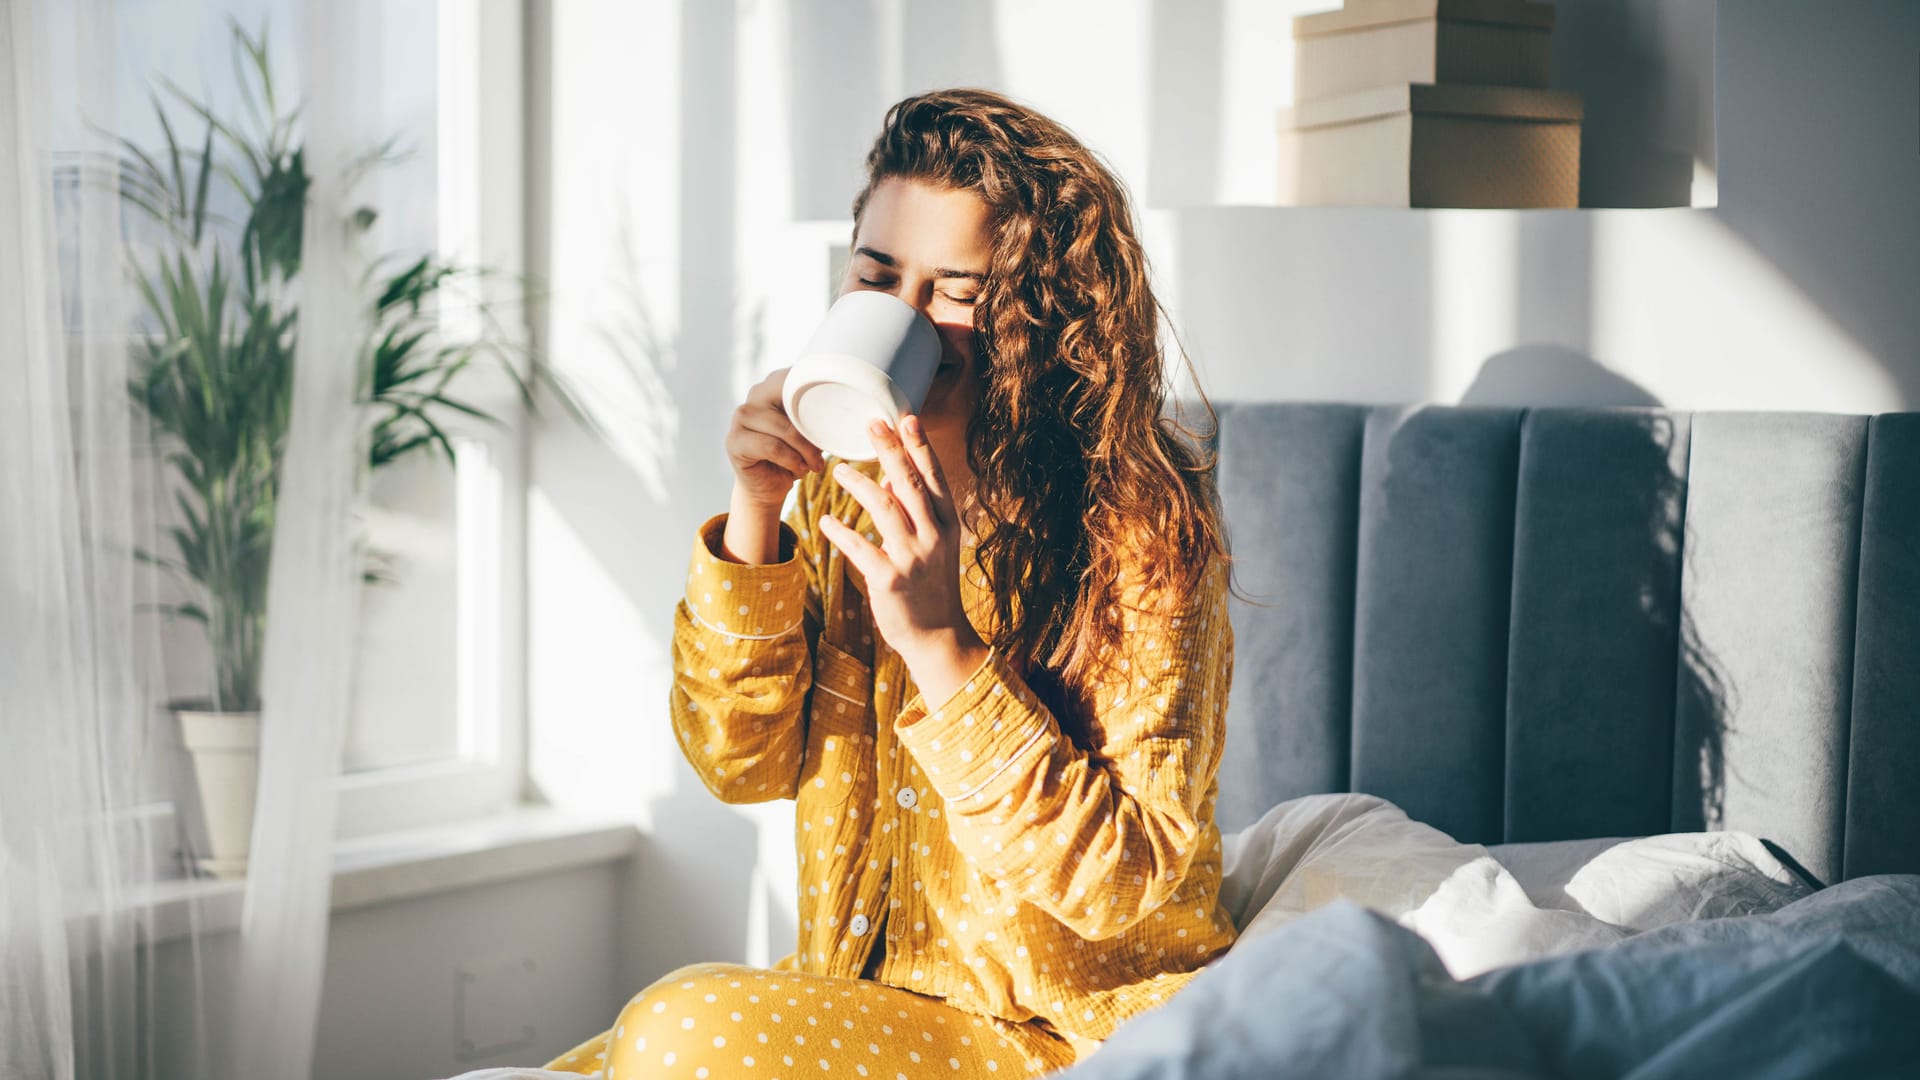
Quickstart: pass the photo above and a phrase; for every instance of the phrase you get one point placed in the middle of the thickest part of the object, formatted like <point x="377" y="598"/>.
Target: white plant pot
<point x="226" y="767"/>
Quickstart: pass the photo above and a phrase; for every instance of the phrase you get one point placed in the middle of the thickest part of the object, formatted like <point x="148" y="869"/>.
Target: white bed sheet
<point x="1468" y="903"/>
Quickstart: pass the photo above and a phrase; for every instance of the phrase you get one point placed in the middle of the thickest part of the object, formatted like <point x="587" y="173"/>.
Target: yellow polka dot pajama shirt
<point x="980" y="893"/>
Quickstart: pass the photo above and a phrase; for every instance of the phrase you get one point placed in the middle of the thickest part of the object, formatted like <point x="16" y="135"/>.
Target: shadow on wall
<point x="1814" y="163"/>
<point x="1806" y="115"/>
<point x="945" y="44"/>
<point x="1551" y="375"/>
<point x="837" y="87"/>
<point x="1645" y="69"/>
<point x="1819" y="171"/>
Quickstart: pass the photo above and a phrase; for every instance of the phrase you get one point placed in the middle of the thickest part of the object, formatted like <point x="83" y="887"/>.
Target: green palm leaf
<point x="215" y="374"/>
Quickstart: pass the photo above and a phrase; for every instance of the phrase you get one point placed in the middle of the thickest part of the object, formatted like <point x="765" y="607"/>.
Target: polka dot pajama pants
<point x="724" y="1021"/>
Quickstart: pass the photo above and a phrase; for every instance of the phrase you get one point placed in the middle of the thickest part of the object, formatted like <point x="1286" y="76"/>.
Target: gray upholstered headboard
<point x="1553" y="623"/>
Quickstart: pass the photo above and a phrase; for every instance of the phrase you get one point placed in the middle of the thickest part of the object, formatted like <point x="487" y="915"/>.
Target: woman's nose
<point x="918" y="295"/>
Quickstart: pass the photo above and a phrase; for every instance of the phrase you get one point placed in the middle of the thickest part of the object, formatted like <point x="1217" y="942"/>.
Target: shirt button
<point x="858" y="924"/>
<point x="907" y="798"/>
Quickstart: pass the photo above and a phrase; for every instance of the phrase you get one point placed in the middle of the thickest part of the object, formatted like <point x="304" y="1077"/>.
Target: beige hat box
<point x="1425" y="145"/>
<point x="1429" y="103"/>
<point x="1372" y="43"/>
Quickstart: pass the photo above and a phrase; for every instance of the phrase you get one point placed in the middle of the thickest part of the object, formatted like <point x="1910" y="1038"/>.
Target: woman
<point x="1000" y="861"/>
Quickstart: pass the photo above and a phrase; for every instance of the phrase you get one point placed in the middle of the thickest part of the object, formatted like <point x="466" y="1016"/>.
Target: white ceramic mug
<point x="873" y="356"/>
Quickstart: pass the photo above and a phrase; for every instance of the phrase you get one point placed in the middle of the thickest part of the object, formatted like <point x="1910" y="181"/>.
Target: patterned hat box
<point x="1423" y="145"/>
<point x="1372" y="43"/>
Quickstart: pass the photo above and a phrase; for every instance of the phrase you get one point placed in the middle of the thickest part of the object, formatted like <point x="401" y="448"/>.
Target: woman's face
<point x="930" y="246"/>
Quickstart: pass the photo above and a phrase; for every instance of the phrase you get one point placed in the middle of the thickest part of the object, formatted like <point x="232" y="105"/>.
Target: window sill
<point x="412" y="863"/>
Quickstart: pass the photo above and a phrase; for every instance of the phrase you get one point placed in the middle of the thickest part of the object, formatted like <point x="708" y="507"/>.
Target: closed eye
<point x="874" y="284"/>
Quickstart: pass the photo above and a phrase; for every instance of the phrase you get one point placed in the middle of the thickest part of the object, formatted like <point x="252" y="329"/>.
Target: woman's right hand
<point x="766" y="451"/>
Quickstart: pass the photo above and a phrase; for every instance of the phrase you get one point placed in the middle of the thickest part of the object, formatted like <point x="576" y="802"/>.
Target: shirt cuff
<point x="745" y="600"/>
<point x="980" y="735"/>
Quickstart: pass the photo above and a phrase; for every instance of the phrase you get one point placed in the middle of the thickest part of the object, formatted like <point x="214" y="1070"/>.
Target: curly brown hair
<point x="1091" y="496"/>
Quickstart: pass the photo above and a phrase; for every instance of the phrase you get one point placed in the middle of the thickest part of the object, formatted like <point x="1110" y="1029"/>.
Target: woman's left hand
<point x="912" y="578"/>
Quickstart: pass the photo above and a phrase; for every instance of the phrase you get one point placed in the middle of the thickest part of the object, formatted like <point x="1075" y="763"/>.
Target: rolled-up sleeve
<point x="1098" y="837"/>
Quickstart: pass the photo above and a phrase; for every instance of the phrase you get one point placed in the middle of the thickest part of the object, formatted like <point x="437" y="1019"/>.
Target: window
<point x="437" y="726"/>
<point x="437" y="731"/>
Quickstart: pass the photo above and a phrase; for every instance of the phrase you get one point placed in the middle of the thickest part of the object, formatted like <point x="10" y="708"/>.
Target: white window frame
<point x="480" y="194"/>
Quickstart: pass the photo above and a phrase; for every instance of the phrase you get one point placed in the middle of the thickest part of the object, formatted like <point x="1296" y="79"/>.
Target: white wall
<point x="504" y="974"/>
<point x="507" y="973"/>
<point x="1786" y="295"/>
<point x="699" y="157"/>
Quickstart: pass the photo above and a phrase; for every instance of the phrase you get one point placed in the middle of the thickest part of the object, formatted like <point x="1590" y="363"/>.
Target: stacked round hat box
<point x="1428" y="103"/>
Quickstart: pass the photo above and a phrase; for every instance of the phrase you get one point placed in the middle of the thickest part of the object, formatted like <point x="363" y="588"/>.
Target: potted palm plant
<point x="214" y="376"/>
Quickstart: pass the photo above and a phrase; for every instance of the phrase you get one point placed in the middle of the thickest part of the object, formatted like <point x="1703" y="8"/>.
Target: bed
<point x="1530" y="628"/>
<point x="1494" y="646"/>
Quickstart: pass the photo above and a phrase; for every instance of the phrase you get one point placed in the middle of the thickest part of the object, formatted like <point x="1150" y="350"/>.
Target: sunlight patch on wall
<point x="1476" y="281"/>
<point x="1046" y="51"/>
<point x="1706" y="184"/>
<point x="1691" y="311"/>
<point x="776" y="875"/>
<point x="614" y="292"/>
<point x="776" y="286"/>
<point x="601" y="743"/>
<point x="1257" y="57"/>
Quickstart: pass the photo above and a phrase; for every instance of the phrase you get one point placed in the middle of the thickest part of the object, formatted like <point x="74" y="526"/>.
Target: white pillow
<point x="1308" y="851"/>
<point x="1641" y="883"/>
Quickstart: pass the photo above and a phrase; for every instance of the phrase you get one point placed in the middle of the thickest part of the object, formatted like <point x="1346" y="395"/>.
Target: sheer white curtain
<point x="72" y="712"/>
<point x="313" y="594"/>
<point x="84" y="727"/>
